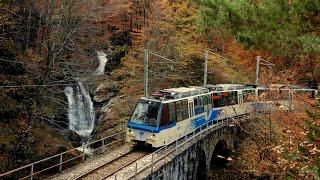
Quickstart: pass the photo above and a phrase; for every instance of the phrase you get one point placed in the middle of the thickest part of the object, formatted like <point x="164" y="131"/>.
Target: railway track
<point x="109" y="169"/>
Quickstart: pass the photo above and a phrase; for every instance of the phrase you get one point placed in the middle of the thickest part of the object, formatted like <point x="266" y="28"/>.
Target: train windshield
<point x="146" y="113"/>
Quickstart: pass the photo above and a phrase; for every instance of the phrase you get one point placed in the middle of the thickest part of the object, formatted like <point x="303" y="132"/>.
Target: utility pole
<point x="265" y="63"/>
<point x="257" y="70"/>
<point x="290" y="99"/>
<point x="206" y="57"/>
<point x="146" y="59"/>
<point x="205" y="76"/>
<point x="146" y="68"/>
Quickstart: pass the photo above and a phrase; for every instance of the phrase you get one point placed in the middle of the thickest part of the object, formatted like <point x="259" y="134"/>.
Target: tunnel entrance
<point x="202" y="168"/>
<point x="219" y="156"/>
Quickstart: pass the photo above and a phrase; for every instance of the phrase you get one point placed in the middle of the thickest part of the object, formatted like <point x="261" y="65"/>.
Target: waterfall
<point x="81" y="114"/>
<point x="102" y="63"/>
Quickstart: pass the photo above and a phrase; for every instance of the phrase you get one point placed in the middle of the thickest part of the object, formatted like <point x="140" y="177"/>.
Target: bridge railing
<point x="176" y="146"/>
<point x="68" y="158"/>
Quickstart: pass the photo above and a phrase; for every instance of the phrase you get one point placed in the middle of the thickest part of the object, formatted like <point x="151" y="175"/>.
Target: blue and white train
<point x="172" y="113"/>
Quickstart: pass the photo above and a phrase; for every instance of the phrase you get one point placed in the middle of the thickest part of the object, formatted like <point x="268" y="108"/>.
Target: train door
<point x="240" y="97"/>
<point x="191" y="112"/>
<point x="205" y="103"/>
<point x="191" y="108"/>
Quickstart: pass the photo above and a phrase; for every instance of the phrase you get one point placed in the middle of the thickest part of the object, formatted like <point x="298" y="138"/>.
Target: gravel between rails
<point x="89" y="165"/>
<point x="111" y="168"/>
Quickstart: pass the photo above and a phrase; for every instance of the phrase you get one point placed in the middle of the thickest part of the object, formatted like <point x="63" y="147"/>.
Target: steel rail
<point x="123" y="156"/>
<point x="126" y="165"/>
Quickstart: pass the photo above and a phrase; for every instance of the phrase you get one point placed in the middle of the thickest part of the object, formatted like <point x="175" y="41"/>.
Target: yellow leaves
<point x="279" y="149"/>
<point x="33" y="56"/>
<point x="183" y="16"/>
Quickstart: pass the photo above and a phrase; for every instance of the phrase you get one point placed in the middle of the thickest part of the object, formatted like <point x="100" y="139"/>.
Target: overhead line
<point x="32" y="64"/>
<point x="38" y="65"/>
<point x="162" y="57"/>
<point x="38" y="85"/>
<point x="266" y="61"/>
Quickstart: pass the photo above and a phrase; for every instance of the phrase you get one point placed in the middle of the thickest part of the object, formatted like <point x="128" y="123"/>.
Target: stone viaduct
<point x="195" y="160"/>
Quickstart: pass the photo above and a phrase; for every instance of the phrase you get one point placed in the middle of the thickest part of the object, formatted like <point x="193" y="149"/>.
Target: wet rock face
<point x="105" y="91"/>
<point x="72" y="137"/>
<point x="106" y="120"/>
<point x="104" y="97"/>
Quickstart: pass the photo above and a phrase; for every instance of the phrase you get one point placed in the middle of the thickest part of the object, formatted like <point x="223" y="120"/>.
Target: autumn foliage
<point x="51" y="42"/>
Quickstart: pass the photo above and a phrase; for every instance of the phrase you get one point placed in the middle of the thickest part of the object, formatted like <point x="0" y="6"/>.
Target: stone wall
<point x="195" y="161"/>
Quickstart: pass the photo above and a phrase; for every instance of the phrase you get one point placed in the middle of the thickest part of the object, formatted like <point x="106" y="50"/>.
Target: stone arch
<point x="221" y="149"/>
<point x="201" y="172"/>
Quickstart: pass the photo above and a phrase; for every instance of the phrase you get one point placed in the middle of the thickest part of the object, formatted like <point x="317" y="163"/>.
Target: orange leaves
<point x="33" y="56"/>
<point x="289" y="79"/>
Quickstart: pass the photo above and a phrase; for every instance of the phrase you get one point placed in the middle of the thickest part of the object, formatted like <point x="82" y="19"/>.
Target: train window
<point x="195" y="100"/>
<point x="198" y="109"/>
<point x="172" y="113"/>
<point x="146" y="112"/>
<point x="225" y="98"/>
<point x="185" y="112"/>
<point x="232" y="98"/>
<point x="179" y="110"/>
<point x="205" y="103"/>
<point x="200" y="98"/>
<point x="217" y="99"/>
<point x="235" y="96"/>
<point x="165" y="115"/>
<point x="205" y="100"/>
<point x="209" y="102"/>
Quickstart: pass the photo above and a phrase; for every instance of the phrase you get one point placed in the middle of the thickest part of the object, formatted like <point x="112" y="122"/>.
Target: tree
<point x="288" y="29"/>
<point x="41" y="43"/>
<point x="65" y="32"/>
<point x="302" y="159"/>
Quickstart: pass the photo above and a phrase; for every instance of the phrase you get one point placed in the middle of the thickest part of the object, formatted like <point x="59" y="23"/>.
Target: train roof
<point x="178" y="90"/>
<point x="181" y="92"/>
<point x="224" y="87"/>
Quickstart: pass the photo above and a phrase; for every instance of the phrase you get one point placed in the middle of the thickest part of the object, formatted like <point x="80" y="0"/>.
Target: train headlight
<point x="152" y="136"/>
<point x="131" y="132"/>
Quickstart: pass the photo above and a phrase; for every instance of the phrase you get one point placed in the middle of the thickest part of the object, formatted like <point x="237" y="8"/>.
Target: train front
<point x="144" y="123"/>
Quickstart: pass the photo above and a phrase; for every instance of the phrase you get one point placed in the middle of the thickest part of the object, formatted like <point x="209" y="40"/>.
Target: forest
<point x="47" y="45"/>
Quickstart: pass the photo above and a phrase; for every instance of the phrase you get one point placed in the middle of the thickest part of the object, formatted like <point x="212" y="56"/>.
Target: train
<point x="172" y="113"/>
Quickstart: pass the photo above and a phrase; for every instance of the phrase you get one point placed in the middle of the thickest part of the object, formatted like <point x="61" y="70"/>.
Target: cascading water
<point x="102" y="63"/>
<point x="81" y="113"/>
